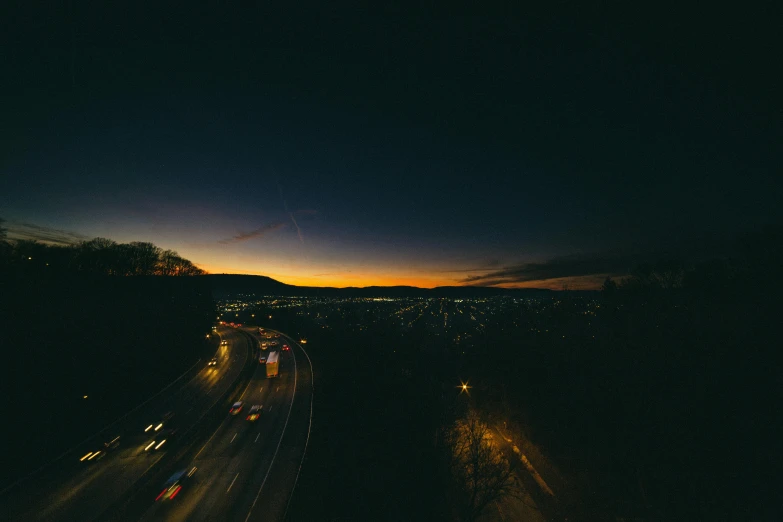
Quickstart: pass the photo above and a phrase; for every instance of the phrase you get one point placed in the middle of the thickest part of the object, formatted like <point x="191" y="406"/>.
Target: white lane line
<point x="278" y="388"/>
<point x="232" y="438"/>
<point x="259" y="434"/>
<point x="290" y="407"/>
<point x="312" y="396"/>
<point x="232" y="483"/>
<point x="270" y="408"/>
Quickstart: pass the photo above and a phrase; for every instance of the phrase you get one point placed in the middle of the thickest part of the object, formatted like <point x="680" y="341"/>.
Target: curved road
<point x="74" y="489"/>
<point x="246" y="470"/>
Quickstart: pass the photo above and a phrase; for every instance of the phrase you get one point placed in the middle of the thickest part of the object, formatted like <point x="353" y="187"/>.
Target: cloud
<point x="490" y="264"/>
<point x="259" y="232"/>
<point x="559" y="267"/>
<point x="28" y="231"/>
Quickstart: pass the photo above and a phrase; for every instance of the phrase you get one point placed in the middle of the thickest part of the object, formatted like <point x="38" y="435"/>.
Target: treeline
<point x="73" y="326"/>
<point x="98" y="256"/>
<point x="660" y="394"/>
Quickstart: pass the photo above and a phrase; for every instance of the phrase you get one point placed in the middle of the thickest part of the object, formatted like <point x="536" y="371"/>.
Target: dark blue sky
<point x="353" y="146"/>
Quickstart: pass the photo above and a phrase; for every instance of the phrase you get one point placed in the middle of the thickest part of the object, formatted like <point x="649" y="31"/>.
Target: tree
<point x="142" y="257"/>
<point x="480" y="472"/>
<point x="171" y="264"/>
<point x="97" y="256"/>
<point x="609" y="288"/>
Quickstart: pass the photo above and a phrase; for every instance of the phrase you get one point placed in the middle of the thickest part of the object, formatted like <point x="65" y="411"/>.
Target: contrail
<point x="290" y="214"/>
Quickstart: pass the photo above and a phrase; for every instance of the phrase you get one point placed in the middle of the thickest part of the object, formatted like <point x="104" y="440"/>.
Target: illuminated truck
<point x="272" y="364"/>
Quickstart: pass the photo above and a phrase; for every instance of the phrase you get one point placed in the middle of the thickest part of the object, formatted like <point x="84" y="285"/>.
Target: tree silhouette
<point x="98" y="256"/>
<point x="609" y="288"/>
<point x="171" y="264"/>
<point x="481" y="473"/>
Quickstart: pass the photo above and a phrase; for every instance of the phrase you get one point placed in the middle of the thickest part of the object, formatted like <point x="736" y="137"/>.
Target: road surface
<point x="246" y="470"/>
<point x="74" y="489"/>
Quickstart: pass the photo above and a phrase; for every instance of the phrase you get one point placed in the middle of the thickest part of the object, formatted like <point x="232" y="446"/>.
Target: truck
<point x="272" y="364"/>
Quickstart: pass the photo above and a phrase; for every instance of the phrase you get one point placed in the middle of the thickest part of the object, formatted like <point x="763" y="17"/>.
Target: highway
<point x="245" y="470"/>
<point x="82" y="486"/>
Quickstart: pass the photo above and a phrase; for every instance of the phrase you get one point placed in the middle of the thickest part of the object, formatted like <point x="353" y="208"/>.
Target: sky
<point x="343" y="145"/>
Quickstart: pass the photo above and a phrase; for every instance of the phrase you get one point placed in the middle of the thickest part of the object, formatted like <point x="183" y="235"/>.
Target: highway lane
<point x="82" y="490"/>
<point x="246" y="470"/>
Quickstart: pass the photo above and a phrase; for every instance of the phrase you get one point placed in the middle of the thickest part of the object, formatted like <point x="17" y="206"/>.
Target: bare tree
<point x="171" y="264"/>
<point x="480" y="472"/>
<point x="143" y="257"/>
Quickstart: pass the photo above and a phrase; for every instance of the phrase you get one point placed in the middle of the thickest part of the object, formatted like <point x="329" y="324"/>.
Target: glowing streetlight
<point x="464" y="388"/>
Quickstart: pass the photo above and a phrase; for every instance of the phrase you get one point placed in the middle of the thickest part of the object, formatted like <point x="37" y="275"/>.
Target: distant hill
<point x="224" y="285"/>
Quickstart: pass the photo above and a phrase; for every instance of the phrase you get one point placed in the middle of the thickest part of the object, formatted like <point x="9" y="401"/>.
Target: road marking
<point x="278" y="388"/>
<point x="232" y="483"/>
<point x="270" y="408"/>
<point x="312" y="395"/>
<point x="232" y="438"/>
<point x="290" y="407"/>
<point x="191" y="409"/>
<point x="259" y="434"/>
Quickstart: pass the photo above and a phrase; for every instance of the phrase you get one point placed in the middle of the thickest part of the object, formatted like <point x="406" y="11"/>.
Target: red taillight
<point x="175" y="492"/>
<point x="161" y="494"/>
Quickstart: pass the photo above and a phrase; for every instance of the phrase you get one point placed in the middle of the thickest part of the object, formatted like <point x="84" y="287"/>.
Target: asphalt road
<point x="247" y="470"/>
<point x="74" y="489"/>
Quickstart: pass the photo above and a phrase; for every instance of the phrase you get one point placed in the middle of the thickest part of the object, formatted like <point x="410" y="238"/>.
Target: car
<point x="262" y="359"/>
<point x="286" y="348"/>
<point x="236" y="408"/>
<point x="264" y="346"/>
<point x="255" y="412"/>
<point x="276" y="335"/>
<point x="273" y="343"/>
<point x="173" y="485"/>
<point x="157" y="426"/>
<point x="223" y="343"/>
<point x="160" y="439"/>
<point x="99" y="454"/>
<point x="212" y="362"/>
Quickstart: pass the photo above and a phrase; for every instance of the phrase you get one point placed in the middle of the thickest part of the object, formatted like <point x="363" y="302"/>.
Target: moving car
<point x="273" y="343"/>
<point x="156" y="426"/>
<point x="255" y="412"/>
<point x="286" y="348"/>
<point x="173" y="485"/>
<point x="212" y="362"/>
<point x="160" y="439"/>
<point x="97" y="455"/>
<point x="236" y="408"/>
<point x="264" y="346"/>
<point x="262" y="359"/>
<point x="223" y="343"/>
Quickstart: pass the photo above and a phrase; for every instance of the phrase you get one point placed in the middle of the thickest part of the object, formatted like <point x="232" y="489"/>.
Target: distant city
<point x="460" y="321"/>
